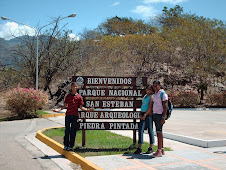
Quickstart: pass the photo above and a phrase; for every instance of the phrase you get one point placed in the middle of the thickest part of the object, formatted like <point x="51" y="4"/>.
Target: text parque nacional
<point x="110" y="93"/>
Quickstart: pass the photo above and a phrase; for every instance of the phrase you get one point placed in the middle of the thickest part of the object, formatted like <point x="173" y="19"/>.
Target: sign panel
<point x="111" y="92"/>
<point x="116" y="95"/>
<point x="108" y="126"/>
<point x="113" y="103"/>
<point x="109" y="115"/>
<point x="109" y="81"/>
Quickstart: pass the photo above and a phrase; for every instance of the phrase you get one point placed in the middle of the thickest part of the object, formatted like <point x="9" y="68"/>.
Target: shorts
<point x="158" y="125"/>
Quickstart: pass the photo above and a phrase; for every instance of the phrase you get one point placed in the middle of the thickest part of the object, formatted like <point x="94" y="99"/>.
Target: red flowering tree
<point x="22" y="101"/>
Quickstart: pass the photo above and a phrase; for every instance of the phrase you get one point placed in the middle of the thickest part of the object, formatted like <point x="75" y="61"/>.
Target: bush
<point x="185" y="99"/>
<point x="22" y="101"/>
<point x="215" y="99"/>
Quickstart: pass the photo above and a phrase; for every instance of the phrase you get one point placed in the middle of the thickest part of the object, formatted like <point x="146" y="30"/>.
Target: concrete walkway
<point x="187" y="159"/>
<point x="188" y="126"/>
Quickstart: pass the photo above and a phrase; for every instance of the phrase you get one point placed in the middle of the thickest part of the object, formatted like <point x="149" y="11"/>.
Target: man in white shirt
<point x="159" y="110"/>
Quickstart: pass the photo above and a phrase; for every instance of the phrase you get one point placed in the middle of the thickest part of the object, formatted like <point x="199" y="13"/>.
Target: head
<point x="74" y="88"/>
<point x="149" y="89"/>
<point x="156" y="85"/>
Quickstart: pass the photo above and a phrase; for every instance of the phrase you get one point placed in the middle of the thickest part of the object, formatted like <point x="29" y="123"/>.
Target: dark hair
<point x="70" y="91"/>
<point x="73" y="83"/>
<point x="151" y="87"/>
<point x="156" y="82"/>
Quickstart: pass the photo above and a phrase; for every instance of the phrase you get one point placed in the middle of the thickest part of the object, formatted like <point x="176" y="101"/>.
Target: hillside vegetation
<point x="184" y="51"/>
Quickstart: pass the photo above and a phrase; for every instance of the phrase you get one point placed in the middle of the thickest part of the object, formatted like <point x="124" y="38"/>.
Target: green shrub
<point x="185" y="99"/>
<point x="215" y="99"/>
<point x="22" y="101"/>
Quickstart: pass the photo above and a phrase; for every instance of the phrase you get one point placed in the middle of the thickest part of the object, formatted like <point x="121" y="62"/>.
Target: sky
<point x="91" y="13"/>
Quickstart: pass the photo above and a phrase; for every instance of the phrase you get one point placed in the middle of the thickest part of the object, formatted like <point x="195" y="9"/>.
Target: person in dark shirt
<point x="72" y="102"/>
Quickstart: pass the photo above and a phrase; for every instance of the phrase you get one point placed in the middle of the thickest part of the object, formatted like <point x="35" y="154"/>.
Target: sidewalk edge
<point x="73" y="157"/>
<point x="53" y="115"/>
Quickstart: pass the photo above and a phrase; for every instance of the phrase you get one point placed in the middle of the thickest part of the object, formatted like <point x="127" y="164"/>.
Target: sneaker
<point x="65" y="148"/>
<point x="138" y="151"/>
<point x="158" y="153"/>
<point x="150" y="150"/>
<point x="70" y="149"/>
<point x="163" y="152"/>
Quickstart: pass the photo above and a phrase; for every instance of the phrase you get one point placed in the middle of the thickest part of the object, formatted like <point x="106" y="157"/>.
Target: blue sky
<point x="90" y="13"/>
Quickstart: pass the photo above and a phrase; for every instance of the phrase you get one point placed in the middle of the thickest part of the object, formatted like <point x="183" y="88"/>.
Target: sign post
<point x="118" y="93"/>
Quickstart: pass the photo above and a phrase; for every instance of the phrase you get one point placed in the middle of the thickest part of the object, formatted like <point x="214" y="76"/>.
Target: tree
<point x="201" y="44"/>
<point x="170" y="18"/>
<point x="57" y="53"/>
<point x="124" y="26"/>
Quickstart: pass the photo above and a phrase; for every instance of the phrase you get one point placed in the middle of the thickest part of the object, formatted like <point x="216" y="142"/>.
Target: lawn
<point x="41" y="112"/>
<point x="99" y="142"/>
<point x="10" y="117"/>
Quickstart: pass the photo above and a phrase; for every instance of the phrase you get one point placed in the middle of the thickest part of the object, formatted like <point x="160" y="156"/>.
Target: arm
<point x="150" y="108"/>
<point x="164" y="112"/>
<point x="64" y="107"/>
<point x="149" y="111"/>
<point x="86" y="109"/>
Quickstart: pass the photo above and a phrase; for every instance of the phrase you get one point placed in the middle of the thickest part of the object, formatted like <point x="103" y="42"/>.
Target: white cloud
<point x="145" y="11"/>
<point x="10" y="30"/>
<point x="73" y="37"/>
<point x="115" y="4"/>
<point x="163" y="1"/>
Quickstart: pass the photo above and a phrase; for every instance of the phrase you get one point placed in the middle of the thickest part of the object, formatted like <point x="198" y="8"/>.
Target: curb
<point x="195" y="141"/>
<point x="73" y="157"/>
<point x="53" y="115"/>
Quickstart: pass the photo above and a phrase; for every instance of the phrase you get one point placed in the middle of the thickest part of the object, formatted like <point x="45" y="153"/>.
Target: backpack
<point x="169" y="106"/>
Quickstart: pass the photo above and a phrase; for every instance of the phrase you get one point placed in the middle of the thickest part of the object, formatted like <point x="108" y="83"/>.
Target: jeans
<point x="146" y="123"/>
<point x="71" y="126"/>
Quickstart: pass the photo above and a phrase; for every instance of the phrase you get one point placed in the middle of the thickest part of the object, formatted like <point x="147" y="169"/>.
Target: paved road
<point x="16" y="152"/>
<point x="19" y="149"/>
<point x="202" y="124"/>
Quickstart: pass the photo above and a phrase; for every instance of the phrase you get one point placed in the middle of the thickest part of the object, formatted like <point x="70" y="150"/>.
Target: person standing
<point x="72" y="102"/>
<point x="146" y="121"/>
<point x="159" y="110"/>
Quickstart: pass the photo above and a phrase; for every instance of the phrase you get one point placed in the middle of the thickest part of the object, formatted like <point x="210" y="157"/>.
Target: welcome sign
<point x="110" y="81"/>
<point x="116" y="93"/>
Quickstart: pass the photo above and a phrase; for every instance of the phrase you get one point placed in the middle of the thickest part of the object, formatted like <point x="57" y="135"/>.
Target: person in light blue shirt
<point x="146" y="121"/>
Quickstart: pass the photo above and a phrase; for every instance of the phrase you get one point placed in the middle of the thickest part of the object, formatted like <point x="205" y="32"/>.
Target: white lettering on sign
<point x="109" y="81"/>
<point x="122" y="126"/>
<point x="91" y="126"/>
<point x="91" y="92"/>
<point x="117" y="104"/>
<point x="93" y="104"/>
<point x="108" y="126"/>
<point x="125" y="93"/>
<point x="109" y="115"/>
<point x="89" y="115"/>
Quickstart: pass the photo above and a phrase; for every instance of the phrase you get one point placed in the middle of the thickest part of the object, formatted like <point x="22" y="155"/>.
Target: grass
<point x="29" y="116"/>
<point x="5" y="119"/>
<point x="41" y="112"/>
<point x="99" y="142"/>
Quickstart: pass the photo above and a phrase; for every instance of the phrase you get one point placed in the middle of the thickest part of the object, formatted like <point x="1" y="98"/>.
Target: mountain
<point x="6" y="58"/>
